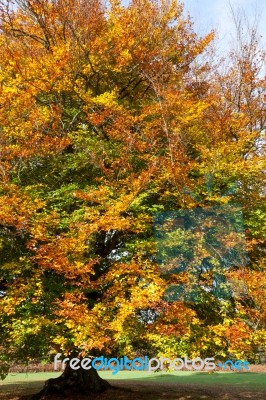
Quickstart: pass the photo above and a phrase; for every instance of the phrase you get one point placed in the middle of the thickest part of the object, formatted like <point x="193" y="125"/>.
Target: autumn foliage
<point x="110" y="115"/>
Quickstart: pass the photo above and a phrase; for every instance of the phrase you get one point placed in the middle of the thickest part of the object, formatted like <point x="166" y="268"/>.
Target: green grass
<point x="28" y="377"/>
<point x="245" y="379"/>
<point x="249" y="379"/>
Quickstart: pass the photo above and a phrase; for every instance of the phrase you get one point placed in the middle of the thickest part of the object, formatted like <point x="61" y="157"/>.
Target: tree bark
<point x="71" y="381"/>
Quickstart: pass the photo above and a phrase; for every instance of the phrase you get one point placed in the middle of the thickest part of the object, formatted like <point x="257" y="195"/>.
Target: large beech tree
<point x="108" y="116"/>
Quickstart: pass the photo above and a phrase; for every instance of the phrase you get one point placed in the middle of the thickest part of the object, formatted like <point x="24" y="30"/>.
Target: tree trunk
<point x="71" y="381"/>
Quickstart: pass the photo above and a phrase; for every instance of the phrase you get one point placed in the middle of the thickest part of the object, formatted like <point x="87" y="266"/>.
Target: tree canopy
<point x="111" y="116"/>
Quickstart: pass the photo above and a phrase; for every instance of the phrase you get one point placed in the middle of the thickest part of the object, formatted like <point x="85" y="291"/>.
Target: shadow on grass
<point x="14" y="391"/>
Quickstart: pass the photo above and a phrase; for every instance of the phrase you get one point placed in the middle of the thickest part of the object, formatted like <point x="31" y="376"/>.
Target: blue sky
<point x="209" y="14"/>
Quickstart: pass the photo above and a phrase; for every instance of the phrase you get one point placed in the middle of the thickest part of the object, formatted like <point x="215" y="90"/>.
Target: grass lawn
<point x="136" y="385"/>
<point x="248" y="379"/>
